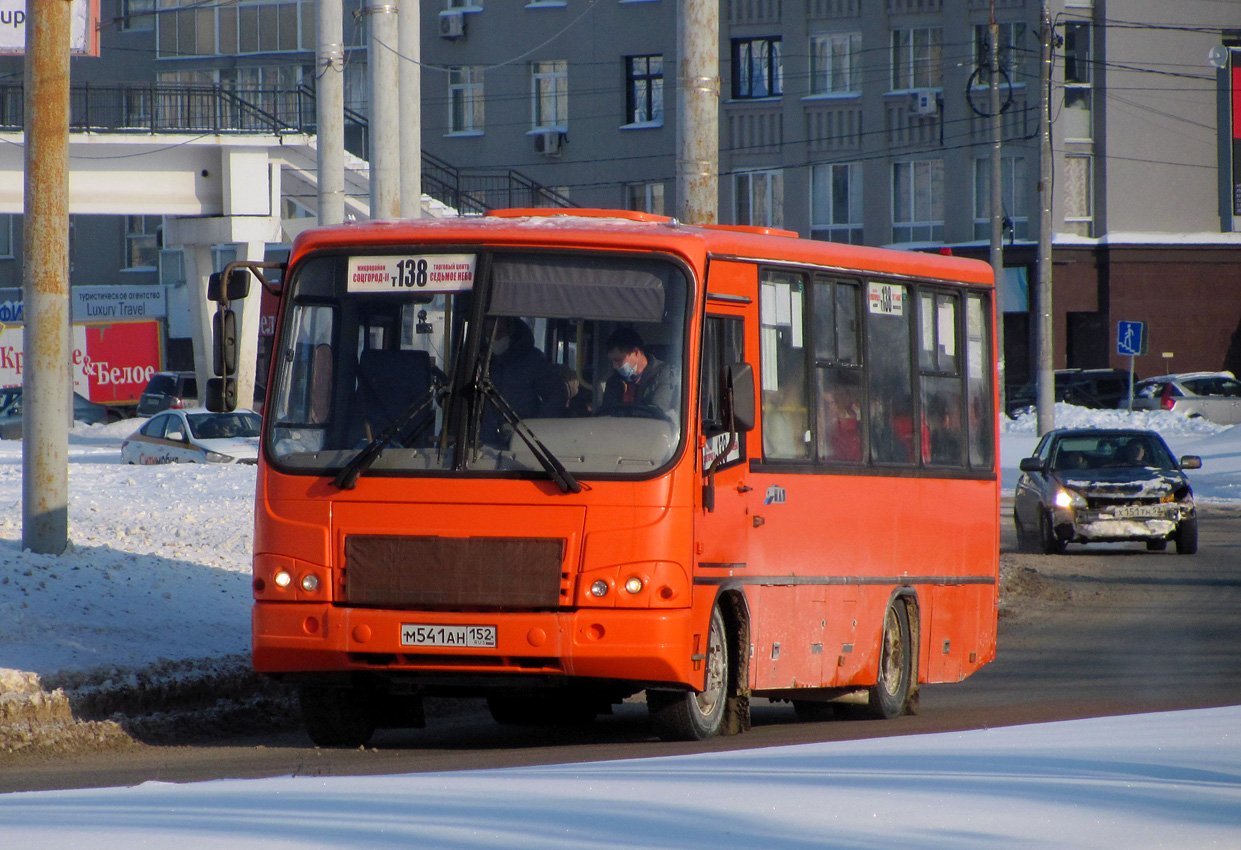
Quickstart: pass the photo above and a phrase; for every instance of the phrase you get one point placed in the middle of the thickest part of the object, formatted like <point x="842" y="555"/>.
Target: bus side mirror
<point x="221" y="395"/>
<point x="235" y="288"/>
<point x="739" y="378"/>
<point x="224" y="343"/>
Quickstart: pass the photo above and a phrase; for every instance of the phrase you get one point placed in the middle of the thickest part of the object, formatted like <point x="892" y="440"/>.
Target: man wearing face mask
<point x="641" y="380"/>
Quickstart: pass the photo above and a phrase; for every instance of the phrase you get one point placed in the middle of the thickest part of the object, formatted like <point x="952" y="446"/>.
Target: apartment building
<point x="849" y="120"/>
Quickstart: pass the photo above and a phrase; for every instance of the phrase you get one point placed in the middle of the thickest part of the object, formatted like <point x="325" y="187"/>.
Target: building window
<point x="549" y="90"/>
<point x="137" y="15"/>
<point x="191" y="28"/>
<point x="758" y="70"/>
<point x="6" y="236"/>
<point x="142" y="241"/>
<point x="759" y="198"/>
<point x="918" y="201"/>
<point x="463" y="4"/>
<point x="1078" y="81"/>
<point x="836" y="202"/>
<point x="644" y="89"/>
<point x="645" y="197"/>
<point x="1012" y="49"/>
<point x="1078" y="195"/>
<point x="916" y="58"/>
<point x="465" y="99"/>
<point x="1012" y="196"/>
<point x="835" y="61"/>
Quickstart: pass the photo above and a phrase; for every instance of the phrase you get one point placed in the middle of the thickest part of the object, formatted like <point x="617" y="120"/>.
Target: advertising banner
<point x="111" y="363"/>
<point x="83" y="27"/>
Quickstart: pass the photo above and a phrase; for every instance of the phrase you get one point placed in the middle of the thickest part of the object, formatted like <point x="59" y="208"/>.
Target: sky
<point x="159" y="569"/>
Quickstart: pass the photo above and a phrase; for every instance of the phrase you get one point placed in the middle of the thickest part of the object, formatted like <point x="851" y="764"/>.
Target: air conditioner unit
<point x="926" y="102"/>
<point x="452" y="24"/>
<point x="548" y="143"/>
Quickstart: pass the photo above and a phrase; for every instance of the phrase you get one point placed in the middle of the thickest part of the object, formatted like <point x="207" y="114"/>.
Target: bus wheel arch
<point x="895" y="691"/>
<point x="723" y="706"/>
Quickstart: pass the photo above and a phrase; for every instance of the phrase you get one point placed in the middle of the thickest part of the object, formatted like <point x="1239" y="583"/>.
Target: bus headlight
<point x="599" y="588"/>
<point x="633" y="584"/>
<point x="283" y="579"/>
<point x="310" y="582"/>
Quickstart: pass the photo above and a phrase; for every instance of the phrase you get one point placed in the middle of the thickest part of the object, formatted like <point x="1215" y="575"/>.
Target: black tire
<point x="1049" y="543"/>
<point x="1156" y="545"/>
<point x="891" y="689"/>
<point x="337" y="717"/>
<point x="550" y="708"/>
<point x="690" y="716"/>
<point x="1026" y="542"/>
<point x="810" y="711"/>
<point x="1187" y="537"/>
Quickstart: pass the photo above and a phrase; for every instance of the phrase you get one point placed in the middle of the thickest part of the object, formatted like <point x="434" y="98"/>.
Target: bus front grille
<point x="396" y="571"/>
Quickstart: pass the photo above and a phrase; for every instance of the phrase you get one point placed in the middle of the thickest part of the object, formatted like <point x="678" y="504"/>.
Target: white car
<point x="195" y="435"/>
<point x="1214" y="396"/>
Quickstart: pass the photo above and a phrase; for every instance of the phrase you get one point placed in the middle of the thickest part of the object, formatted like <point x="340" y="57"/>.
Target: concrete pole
<point x="384" y="110"/>
<point x="198" y="269"/>
<point x="1046" y="382"/>
<point x="330" y="112"/>
<point x="410" y="75"/>
<point x="46" y="382"/>
<point x="698" y="125"/>
<point x="997" y="198"/>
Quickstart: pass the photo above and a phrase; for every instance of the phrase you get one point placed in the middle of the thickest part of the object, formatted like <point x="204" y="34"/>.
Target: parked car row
<point x="1096" y="388"/>
<point x="1102" y="486"/>
<point x="84" y="410"/>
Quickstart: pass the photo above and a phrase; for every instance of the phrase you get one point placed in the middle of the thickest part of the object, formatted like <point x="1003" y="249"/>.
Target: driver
<point x="640" y="379"/>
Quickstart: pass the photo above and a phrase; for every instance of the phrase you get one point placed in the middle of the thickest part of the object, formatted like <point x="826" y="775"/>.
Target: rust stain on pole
<point x="45" y="280"/>
<point x="698" y="95"/>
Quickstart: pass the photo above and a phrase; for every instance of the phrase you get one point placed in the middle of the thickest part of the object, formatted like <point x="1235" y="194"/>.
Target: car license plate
<point x="1136" y="511"/>
<point x="418" y="634"/>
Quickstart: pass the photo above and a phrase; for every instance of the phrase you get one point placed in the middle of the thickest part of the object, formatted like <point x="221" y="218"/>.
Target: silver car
<point x="1214" y="396"/>
<point x="1103" y="486"/>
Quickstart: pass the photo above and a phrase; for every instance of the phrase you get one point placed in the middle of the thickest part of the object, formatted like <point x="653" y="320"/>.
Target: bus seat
<point x="389" y="382"/>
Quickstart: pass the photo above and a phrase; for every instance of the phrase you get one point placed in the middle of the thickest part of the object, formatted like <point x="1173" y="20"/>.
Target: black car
<point x="1097" y="486"/>
<point x="84" y="410"/>
<point x="1094" y="388"/>
<point x="168" y="389"/>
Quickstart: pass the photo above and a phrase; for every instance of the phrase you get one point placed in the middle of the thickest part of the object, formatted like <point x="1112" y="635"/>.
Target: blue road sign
<point x="1130" y="338"/>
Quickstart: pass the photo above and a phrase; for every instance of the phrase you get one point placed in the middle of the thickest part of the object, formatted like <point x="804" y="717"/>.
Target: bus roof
<point x="622" y="229"/>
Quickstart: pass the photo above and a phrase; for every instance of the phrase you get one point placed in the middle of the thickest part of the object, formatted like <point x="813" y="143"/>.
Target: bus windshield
<point x="480" y="363"/>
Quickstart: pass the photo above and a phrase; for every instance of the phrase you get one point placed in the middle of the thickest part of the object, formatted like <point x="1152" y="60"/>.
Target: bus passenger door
<point x="724" y="520"/>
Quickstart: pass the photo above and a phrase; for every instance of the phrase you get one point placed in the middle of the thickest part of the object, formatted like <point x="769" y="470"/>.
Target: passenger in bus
<point x="524" y="378"/>
<point x="841" y="417"/>
<point x="640" y="380"/>
<point x="580" y="402"/>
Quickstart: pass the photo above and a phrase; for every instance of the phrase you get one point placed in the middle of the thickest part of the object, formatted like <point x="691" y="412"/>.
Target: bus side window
<point x="981" y="418"/>
<point x="722" y="345"/>
<point x="786" y="417"/>
<point x="837" y="371"/>
<point x="939" y="379"/>
<point x="889" y="375"/>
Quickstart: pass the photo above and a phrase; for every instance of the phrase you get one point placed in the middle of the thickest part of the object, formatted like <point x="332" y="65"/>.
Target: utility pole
<point x="698" y="125"/>
<point x="46" y="385"/>
<point x="1046" y="383"/>
<point x="997" y="199"/>
<point x="330" y="112"/>
<point x="410" y="75"/>
<point x="384" y="121"/>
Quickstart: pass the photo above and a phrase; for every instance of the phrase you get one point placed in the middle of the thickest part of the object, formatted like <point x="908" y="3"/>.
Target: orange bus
<point x="560" y="457"/>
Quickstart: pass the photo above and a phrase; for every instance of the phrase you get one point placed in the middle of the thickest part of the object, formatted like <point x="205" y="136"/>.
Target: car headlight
<point x="216" y="457"/>
<point x="1066" y="498"/>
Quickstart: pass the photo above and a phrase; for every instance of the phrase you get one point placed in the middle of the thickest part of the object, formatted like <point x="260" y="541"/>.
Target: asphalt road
<point x="1098" y="631"/>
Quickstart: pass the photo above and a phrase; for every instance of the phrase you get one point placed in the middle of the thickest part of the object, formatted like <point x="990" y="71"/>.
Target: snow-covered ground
<point x="1144" y="781"/>
<point x="159" y="569"/>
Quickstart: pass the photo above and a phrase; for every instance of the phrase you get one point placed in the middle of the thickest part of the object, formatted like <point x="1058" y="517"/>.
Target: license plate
<point x="417" y="634"/>
<point x="1136" y="511"/>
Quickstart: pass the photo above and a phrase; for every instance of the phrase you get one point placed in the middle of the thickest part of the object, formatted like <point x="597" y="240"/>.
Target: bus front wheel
<point x="690" y="716"/>
<point x="337" y="717"/>
<point x="891" y="689"/>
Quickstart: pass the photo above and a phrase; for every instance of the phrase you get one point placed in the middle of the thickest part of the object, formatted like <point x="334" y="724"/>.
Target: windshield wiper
<point x="347" y="478"/>
<point x="550" y="463"/>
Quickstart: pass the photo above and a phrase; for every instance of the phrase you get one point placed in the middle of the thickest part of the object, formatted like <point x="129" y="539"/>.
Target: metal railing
<point x="178" y="108"/>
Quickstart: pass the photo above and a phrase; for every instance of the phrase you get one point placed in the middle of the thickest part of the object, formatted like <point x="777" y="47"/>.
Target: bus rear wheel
<point x="890" y="692"/>
<point x="690" y="716"/>
<point x="337" y="717"/>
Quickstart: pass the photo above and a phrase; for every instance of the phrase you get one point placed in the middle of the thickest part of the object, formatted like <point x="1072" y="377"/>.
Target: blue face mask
<point x="627" y="371"/>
